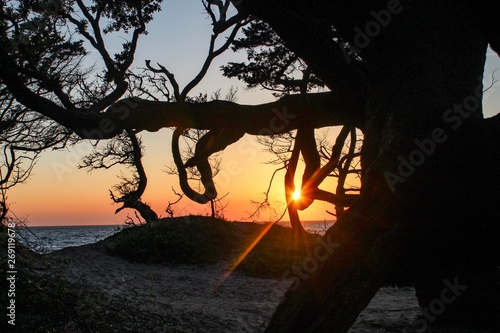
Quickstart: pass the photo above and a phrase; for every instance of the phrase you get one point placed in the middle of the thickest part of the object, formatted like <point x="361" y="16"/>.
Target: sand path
<point x="194" y="300"/>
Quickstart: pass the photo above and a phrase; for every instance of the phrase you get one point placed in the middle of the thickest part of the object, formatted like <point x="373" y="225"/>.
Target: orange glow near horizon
<point x="75" y="197"/>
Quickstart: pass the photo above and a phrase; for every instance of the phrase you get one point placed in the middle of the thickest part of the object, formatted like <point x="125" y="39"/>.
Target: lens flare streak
<point x="243" y="255"/>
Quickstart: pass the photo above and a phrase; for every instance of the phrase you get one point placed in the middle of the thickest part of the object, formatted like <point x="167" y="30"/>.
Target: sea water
<point x="319" y="227"/>
<point x="47" y="239"/>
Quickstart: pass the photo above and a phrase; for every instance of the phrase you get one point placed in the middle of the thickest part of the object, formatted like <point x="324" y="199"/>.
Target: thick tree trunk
<point x="427" y="212"/>
<point x="457" y="278"/>
<point x="434" y="121"/>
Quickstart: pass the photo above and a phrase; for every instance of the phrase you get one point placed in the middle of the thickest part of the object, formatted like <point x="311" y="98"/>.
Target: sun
<point x="296" y="195"/>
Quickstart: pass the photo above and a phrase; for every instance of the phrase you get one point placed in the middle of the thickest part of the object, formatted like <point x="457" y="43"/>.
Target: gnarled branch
<point x="205" y="171"/>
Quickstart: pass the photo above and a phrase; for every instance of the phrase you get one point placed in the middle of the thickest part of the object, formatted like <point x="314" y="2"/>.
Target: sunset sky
<point x="60" y="194"/>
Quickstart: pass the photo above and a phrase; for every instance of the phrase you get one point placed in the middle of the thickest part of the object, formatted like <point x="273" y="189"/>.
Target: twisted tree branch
<point x="205" y="171"/>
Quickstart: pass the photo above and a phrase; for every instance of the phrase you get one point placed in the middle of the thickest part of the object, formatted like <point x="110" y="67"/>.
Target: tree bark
<point x="321" y="109"/>
<point x="286" y="114"/>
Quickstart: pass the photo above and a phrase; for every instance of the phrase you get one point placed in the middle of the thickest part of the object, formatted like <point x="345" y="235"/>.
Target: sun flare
<point x="296" y="195"/>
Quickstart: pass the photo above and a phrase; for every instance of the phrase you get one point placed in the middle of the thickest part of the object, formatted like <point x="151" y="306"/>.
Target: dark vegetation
<point x="276" y="252"/>
<point x="200" y="240"/>
<point x="188" y="240"/>
<point x="56" y="305"/>
<point x="47" y="302"/>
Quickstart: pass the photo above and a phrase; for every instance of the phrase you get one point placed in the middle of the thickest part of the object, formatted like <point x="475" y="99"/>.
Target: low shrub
<point x="187" y="240"/>
<point x="198" y="240"/>
<point x="276" y="252"/>
<point x="46" y="302"/>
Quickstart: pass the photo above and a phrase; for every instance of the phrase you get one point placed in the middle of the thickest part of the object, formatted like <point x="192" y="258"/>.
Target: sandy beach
<point x="194" y="298"/>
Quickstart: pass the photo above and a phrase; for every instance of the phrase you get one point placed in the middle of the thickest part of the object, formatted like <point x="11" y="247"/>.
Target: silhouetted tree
<point x="23" y="136"/>
<point x="124" y="150"/>
<point x="407" y="74"/>
<point x="273" y="67"/>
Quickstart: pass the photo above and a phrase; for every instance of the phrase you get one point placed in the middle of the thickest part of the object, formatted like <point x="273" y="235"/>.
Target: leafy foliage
<point x="270" y="64"/>
<point x="45" y="46"/>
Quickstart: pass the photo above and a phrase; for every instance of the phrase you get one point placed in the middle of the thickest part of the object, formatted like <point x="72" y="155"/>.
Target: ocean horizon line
<point x="124" y="225"/>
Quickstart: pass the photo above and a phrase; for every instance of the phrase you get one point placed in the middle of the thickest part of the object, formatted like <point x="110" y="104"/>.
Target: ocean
<point x="319" y="227"/>
<point x="48" y="239"/>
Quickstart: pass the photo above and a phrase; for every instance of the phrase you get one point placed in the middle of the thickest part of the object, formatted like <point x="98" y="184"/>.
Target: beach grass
<point x="47" y="302"/>
<point x="186" y="240"/>
<point x="277" y="251"/>
<point x="205" y="240"/>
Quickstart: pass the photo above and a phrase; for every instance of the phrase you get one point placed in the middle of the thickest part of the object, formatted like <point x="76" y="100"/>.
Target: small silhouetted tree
<point x="124" y="150"/>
